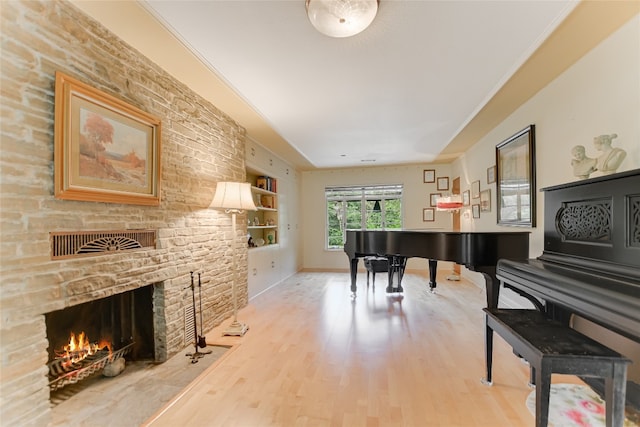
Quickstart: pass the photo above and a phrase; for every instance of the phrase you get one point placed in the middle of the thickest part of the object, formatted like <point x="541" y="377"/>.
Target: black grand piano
<point x="591" y="260"/>
<point x="477" y="251"/>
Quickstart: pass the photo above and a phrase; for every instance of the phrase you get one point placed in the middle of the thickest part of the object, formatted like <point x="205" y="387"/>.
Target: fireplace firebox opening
<point x="85" y="337"/>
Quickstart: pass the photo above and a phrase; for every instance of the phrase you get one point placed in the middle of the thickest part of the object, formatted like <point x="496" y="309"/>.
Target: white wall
<point x="415" y="198"/>
<point x="600" y="94"/>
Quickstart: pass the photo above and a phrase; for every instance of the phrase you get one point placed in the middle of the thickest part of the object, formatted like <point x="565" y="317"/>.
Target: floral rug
<point x="573" y="405"/>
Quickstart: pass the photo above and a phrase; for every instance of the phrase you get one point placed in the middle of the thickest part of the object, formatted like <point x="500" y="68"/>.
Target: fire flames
<point x="79" y="348"/>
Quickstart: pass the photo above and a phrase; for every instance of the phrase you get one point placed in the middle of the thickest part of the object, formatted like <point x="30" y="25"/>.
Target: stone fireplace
<point x="200" y="146"/>
<point x="85" y="338"/>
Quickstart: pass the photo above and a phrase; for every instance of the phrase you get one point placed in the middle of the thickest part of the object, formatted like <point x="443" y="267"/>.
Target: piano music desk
<point x="552" y="347"/>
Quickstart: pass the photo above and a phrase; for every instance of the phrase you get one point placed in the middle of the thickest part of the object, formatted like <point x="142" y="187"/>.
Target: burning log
<point x="81" y="359"/>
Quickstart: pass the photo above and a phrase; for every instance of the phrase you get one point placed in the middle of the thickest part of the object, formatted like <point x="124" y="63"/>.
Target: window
<point x="376" y="207"/>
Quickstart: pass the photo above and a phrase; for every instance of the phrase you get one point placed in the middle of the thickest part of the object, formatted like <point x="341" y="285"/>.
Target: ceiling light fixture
<point x="341" y="18"/>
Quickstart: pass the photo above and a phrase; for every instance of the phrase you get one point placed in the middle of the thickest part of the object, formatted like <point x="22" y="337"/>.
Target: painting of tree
<point x="106" y="150"/>
<point x="102" y="142"/>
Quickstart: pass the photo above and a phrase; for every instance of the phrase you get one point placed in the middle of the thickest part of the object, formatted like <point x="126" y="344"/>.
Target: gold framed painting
<point x="105" y="150"/>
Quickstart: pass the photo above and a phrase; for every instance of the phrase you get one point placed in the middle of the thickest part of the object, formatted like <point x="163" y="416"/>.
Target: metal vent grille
<point x="189" y="326"/>
<point x="72" y="244"/>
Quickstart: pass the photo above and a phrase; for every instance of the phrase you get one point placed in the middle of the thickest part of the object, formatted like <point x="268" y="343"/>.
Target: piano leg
<point x="488" y="352"/>
<point x="433" y="268"/>
<point x="492" y="284"/>
<point x="396" y="266"/>
<point x="354" y="274"/>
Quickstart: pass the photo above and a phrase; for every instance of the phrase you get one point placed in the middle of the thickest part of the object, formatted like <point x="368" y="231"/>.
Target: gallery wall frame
<point x="491" y="174"/>
<point x="429" y="176"/>
<point x="105" y="150"/>
<point x="475" y="189"/>
<point x="475" y="210"/>
<point x="485" y="200"/>
<point x="428" y="214"/>
<point x="433" y="199"/>
<point x="466" y="198"/>
<point x="516" y="179"/>
<point x="443" y="183"/>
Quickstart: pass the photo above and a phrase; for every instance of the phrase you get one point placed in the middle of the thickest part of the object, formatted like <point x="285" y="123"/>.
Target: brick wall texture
<point x="200" y="146"/>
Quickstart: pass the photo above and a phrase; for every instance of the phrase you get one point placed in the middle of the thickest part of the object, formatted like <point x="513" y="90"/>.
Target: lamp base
<point x="236" y="329"/>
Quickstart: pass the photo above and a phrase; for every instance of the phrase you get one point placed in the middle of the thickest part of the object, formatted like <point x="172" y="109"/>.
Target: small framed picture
<point x="476" y="211"/>
<point x="443" y="183"/>
<point x="475" y="189"/>
<point x="485" y="201"/>
<point x="466" y="198"/>
<point x="428" y="214"/>
<point x="429" y="176"/>
<point x="433" y="199"/>
<point x="491" y="174"/>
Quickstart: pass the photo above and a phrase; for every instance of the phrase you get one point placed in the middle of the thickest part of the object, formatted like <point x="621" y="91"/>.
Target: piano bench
<point x="553" y="347"/>
<point x="375" y="264"/>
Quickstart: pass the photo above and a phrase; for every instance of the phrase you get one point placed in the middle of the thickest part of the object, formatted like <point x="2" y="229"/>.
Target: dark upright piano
<point x="476" y="251"/>
<point x="591" y="260"/>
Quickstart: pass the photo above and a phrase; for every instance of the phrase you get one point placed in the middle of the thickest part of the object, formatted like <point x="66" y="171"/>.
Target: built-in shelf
<point x="266" y="216"/>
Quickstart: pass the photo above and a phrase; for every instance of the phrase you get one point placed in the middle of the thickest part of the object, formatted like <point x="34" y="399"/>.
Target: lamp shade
<point x="449" y="203"/>
<point x="341" y="18"/>
<point x="233" y="196"/>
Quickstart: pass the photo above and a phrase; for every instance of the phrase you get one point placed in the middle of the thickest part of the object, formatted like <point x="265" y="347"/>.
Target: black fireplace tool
<point x="196" y="354"/>
<point x="202" y="340"/>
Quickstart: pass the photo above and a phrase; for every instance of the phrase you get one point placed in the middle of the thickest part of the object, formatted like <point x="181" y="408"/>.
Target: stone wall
<point x="200" y="146"/>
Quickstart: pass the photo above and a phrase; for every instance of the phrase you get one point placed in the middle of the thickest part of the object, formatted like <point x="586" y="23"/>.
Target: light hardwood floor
<point x="313" y="356"/>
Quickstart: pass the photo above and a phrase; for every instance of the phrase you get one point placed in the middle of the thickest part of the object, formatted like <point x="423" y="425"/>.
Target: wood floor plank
<point x="313" y="356"/>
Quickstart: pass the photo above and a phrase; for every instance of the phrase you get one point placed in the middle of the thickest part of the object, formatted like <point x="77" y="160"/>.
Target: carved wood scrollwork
<point x="587" y="221"/>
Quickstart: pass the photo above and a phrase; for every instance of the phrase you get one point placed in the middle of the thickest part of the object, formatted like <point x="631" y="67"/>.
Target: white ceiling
<point x="397" y="93"/>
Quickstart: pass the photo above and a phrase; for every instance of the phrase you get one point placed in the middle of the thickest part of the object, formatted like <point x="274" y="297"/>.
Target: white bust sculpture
<point x="610" y="158"/>
<point x="583" y="166"/>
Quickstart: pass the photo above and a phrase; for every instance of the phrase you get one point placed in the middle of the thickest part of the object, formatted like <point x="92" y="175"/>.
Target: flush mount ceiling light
<point x="341" y="18"/>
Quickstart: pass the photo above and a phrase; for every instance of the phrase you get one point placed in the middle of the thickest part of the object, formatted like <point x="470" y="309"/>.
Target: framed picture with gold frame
<point x="105" y="150"/>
